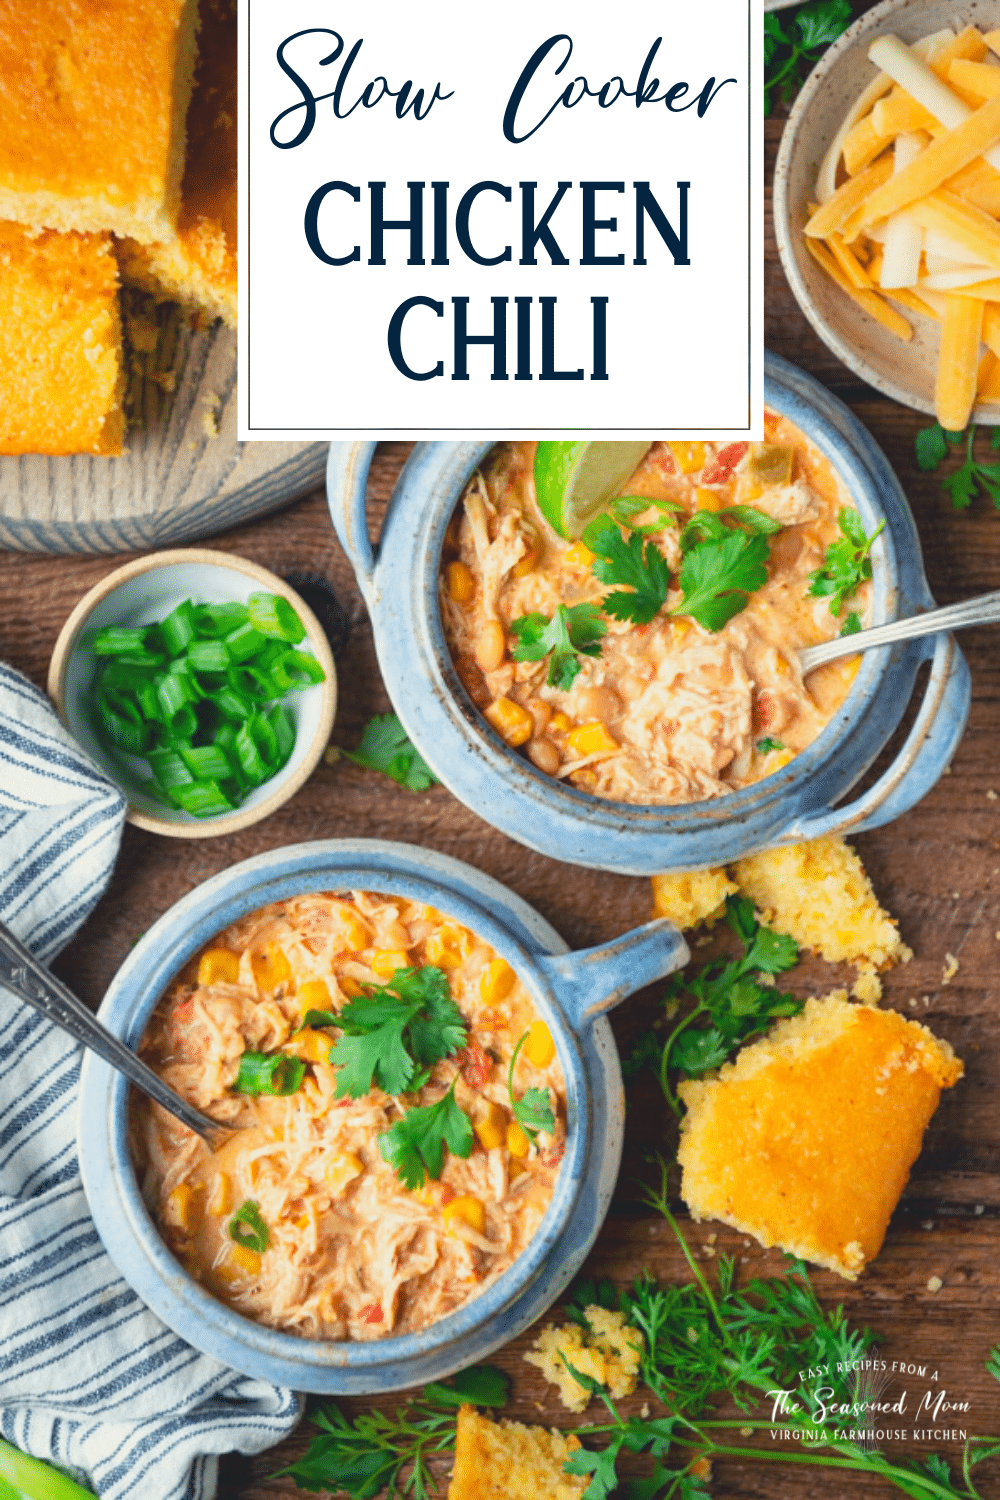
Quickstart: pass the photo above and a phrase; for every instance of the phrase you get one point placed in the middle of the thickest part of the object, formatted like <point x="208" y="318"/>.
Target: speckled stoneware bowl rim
<point x="785" y="232"/>
<point x="285" y="785"/>
<point x="571" y="991"/>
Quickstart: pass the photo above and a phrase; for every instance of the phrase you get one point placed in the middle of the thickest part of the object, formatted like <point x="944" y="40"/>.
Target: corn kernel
<point x="680" y="629"/>
<point x="271" y="968"/>
<point x="849" y="669"/>
<point x="313" y="995"/>
<point x="690" y="457"/>
<point x="496" y="981"/>
<point x="461" y="584"/>
<point x="218" y="966"/>
<point x="512" y="722"/>
<point x="356" y="933"/>
<point x="517" y="1142"/>
<point x="706" y="499"/>
<point x="528" y="563"/>
<point x="387" y="960"/>
<point x="471" y="1210"/>
<point x="539" y="1049"/>
<point x="778" y="759"/>
<point x="515" y="1169"/>
<point x="781" y="667"/>
<point x="588" y="739"/>
<point x="449" y="947"/>
<point x="246" y="1259"/>
<point x="351" y="988"/>
<point x="492" y="1128"/>
<point x="310" y="1044"/>
<point x="184" y="1207"/>
<point x="579" y="555"/>
<point x="342" y="1170"/>
<point x="221" y="1200"/>
<point x="559" y="723"/>
<point x="303" y="1222"/>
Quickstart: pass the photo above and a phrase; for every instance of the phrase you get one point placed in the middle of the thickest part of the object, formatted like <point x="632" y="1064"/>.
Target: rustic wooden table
<point x="938" y="871"/>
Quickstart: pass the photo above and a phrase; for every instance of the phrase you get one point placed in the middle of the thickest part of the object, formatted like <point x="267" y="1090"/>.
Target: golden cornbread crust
<point x="197" y="266"/>
<point x="806" y="1141"/>
<point x="508" y="1461"/>
<point x="93" y="99"/>
<point x="60" y="343"/>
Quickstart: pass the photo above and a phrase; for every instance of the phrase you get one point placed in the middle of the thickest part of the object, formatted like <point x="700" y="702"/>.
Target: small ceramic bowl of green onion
<point x="202" y="684"/>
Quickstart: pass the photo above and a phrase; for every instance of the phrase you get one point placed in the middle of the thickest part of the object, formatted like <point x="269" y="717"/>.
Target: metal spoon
<point x="984" y="610"/>
<point x="30" y="981"/>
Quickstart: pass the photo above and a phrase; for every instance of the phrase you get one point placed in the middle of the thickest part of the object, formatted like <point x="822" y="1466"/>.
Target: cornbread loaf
<point x="93" y="98"/>
<point x="196" y="266"/>
<point x="806" y="1140"/>
<point x="508" y="1461"/>
<point x="61" y="377"/>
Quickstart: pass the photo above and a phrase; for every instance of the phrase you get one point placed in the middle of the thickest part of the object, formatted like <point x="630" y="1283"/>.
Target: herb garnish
<point x="790" y="52"/>
<point x="729" y="996"/>
<point x="971" y="477"/>
<point x="269" y="1073"/>
<point x="711" y="525"/>
<point x="414" y="1146"/>
<point x="363" y="1456"/>
<point x="633" y="563"/>
<point x="848" y="562"/>
<point x="247" y="1227"/>
<point x="395" y="1034"/>
<point x="626" y="507"/>
<point x="532" y="1111"/>
<point x="385" y="746"/>
<point x="851" y="625"/>
<point x="718" y="577"/>
<point x="766" y="745"/>
<point x="573" y="631"/>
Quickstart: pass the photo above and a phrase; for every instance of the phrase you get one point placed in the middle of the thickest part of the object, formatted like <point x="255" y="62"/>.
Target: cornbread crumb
<point x="807" y="1139"/>
<point x="509" y="1461"/>
<point x="934" y="1284"/>
<point x="692" y="897"/>
<point x="951" y="968"/>
<point x="868" y="987"/>
<point x="608" y="1350"/>
<point x="991" y="795"/>
<point x="818" y="893"/>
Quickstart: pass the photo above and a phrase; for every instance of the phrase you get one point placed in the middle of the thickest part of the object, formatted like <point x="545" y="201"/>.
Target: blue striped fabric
<point x="89" y="1376"/>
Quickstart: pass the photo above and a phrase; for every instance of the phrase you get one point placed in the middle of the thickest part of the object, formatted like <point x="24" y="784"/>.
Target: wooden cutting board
<point x="183" y="475"/>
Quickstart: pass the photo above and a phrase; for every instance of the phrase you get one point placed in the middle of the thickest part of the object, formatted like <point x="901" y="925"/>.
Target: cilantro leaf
<point x="269" y="1073"/>
<point x="766" y="745"/>
<point x="965" y="483"/>
<point x="318" y="1018"/>
<point x="414" y="1146"/>
<point x="789" y="53"/>
<point x="599" y="1465"/>
<point x="931" y="447"/>
<point x="385" y="746"/>
<point x="847" y="563"/>
<point x="851" y="625"/>
<point x="482" y="1385"/>
<point x="532" y="1111"/>
<point x="634" y="564"/>
<point x="717" y="578"/>
<point x="819" y="23"/>
<point x="572" y="631"/>
<point x="409" y="1020"/>
<point x="697" y="1052"/>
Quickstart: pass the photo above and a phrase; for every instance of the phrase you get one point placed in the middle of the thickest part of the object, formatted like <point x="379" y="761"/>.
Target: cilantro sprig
<point x="394" y="1035"/>
<point x="971" y="477"/>
<point x="532" y="1111"/>
<point x="634" y="567"/>
<point x="385" y="746"/>
<point x="732" y="1004"/>
<point x="718" y="577"/>
<point x="792" y="49"/>
<point x="414" y="1146"/>
<point x="573" y="631"/>
<point x="847" y="563"/>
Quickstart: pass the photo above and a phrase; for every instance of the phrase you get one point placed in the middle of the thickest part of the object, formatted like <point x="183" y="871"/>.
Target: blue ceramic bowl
<point x="808" y="798"/>
<point x="571" y="991"/>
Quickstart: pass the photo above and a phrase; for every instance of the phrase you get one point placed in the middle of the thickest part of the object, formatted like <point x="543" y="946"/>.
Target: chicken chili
<point x="404" y="1114"/>
<point x="654" y="660"/>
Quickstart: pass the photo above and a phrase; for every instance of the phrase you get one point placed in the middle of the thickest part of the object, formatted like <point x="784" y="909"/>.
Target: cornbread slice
<point x="819" y="894"/>
<point x="508" y="1461"/>
<point x="692" y="897"/>
<point x="806" y="1141"/>
<point x="608" y="1350"/>
<point x="93" y="95"/>
<point x="61" y="376"/>
<point x="197" y="266"/>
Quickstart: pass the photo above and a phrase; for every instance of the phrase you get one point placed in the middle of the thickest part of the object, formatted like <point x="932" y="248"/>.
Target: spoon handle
<point x="30" y="981"/>
<point x="983" y="610"/>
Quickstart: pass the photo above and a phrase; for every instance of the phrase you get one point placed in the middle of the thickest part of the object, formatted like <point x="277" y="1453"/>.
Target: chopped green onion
<point x="148" y="700"/>
<point x="120" y="673"/>
<point x="217" y="620"/>
<point x="207" y="762"/>
<point x="169" y="769"/>
<point x="244" y="642"/>
<point x="115" y="640"/>
<point x="207" y="656"/>
<point x="274" y="616"/>
<point x="234" y="703"/>
<point x="254" y="767"/>
<point x="284" y="732"/>
<point x="202" y="798"/>
<point x="122" y="722"/>
<point x="173" y="692"/>
<point x="296" y="670"/>
<point x="178" y="628"/>
<point x="247" y="1227"/>
<point x="179" y="730"/>
<point x="269" y="1073"/>
<point x="31" y="1479"/>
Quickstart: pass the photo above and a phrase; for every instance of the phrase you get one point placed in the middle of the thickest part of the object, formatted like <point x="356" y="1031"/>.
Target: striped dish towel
<point x="89" y="1377"/>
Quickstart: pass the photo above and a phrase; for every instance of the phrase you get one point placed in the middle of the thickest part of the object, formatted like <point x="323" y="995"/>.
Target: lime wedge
<point x="574" y="481"/>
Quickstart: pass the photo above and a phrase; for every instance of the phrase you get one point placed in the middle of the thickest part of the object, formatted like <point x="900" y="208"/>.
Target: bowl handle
<point x="347" y="492"/>
<point x="929" y="747"/>
<point x="594" y="980"/>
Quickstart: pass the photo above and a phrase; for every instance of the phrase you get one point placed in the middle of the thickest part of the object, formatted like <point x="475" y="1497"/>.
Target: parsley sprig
<point x="385" y="746"/>
<point x="792" y="49"/>
<point x="732" y="1004"/>
<point x="532" y="1111"/>
<point x="394" y="1035"/>
<point x="847" y="563"/>
<point x="572" y="632"/>
<point x="377" y="1451"/>
<point x="971" y="477"/>
<point x="635" y="565"/>
<point x="414" y="1146"/>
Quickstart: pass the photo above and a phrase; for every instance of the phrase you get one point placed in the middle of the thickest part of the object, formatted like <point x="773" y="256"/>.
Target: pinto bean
<point x="491" y="646"/>
<point x="541" y="712"/>
<point x="598" y="703"/>
<point x="544" y="754"/>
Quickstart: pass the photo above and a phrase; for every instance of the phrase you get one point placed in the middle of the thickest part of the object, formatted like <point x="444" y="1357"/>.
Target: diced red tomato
<point x="372" y="1313"/>
<point x="475" y="1065"/>
<point x="764" y="710"/>
<point x="663" y="458"/>
<point x="720" y="468"/>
